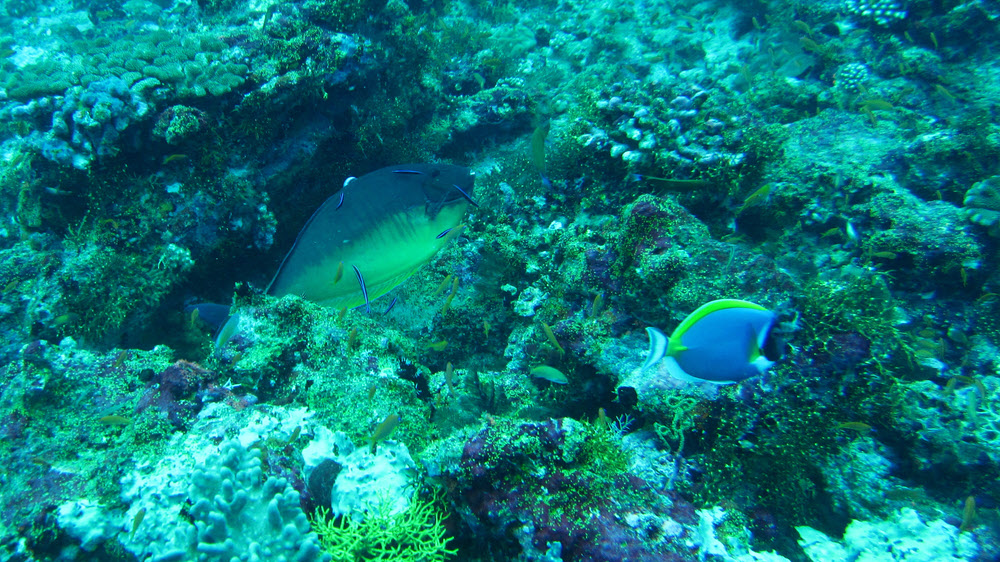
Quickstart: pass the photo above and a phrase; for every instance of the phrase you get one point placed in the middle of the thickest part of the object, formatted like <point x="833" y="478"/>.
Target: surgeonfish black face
<point x="383" y="226"/>
<point x="721" y="342"/>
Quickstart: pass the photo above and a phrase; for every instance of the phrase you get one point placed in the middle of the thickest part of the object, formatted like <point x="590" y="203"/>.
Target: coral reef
<point x="905" y="535"/>
<point x="414" y="534"/>
<point x="834" y="161"/>
<point x="232" y="509"/>
<point x="87" y="124"/>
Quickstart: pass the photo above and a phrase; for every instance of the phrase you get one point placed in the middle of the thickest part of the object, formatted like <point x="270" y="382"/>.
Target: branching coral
<point x="416" y="534"/>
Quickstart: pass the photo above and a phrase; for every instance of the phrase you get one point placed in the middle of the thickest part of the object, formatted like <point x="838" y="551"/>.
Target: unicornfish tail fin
<point x="658" y="342"/>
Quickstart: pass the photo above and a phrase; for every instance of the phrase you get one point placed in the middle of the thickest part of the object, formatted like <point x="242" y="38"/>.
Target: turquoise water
<point x="723" y="288"/>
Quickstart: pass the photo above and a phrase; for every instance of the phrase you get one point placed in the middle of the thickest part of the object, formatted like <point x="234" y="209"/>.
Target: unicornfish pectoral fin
<point x="658" y="342"/>
<point x="227" y="331"/>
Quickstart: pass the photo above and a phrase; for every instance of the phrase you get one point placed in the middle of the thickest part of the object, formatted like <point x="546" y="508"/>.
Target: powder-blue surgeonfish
<point x="722" y="342"/>
<point x="382" y="227"/>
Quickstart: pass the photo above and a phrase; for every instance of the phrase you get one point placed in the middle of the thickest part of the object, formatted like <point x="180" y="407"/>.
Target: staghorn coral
<point x="416" y="534"/>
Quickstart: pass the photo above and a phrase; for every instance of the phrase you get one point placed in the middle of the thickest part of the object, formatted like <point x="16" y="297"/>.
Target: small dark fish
<point x="443" y="233"/>
<point x="392" y="304"/>
<point x="406" y="172"/>
<point x="464" y="194"/>
<point x="364" y="290"/>
<point x="341" y="202"/>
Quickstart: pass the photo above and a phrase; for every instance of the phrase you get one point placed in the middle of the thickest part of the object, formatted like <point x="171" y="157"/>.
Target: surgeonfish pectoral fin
<point x="753" y="345"/>
<point x="657" y="347"/>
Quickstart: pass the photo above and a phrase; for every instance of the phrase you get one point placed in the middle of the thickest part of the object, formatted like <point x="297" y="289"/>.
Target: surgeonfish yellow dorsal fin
<point x="720" y="343"/>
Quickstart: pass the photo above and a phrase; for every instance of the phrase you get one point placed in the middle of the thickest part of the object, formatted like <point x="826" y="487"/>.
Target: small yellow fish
<point x="383" y="431"/>
<point x="139" y="515"/>
<point x="884" y="255"/>
<point x="877" y="105"/>
<point x="968" y="514"/>
<point x="443" y="285"/>
<point x="437" y="346"/>
<point x="552" y="337"/>
<point x="598" y="306"/>
<point x="538" y="147"/>
<point x="174" y="158"/>
<point x="809" y="44"/>
<point x="972" y="381"/>
<point x="859" y="427"/>
<point x="119" y="421"/>
<point x="944" y="92"/>
<point x="449" y="377"/>
<point x="872" y="118"/>
<point x="122" y="356"/>
<point x="550" y="374"/>
<point x="602" y="420"/>
<point x="756" y="198"/>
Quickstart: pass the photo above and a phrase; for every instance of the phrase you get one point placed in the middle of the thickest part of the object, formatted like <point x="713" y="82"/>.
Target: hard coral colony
<point x="237" y="326"/>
